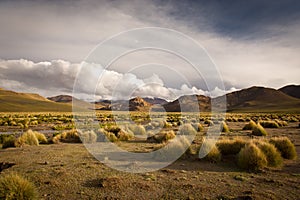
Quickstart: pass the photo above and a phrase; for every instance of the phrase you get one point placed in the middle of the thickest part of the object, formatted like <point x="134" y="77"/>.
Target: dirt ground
<point x="69" y="171"/>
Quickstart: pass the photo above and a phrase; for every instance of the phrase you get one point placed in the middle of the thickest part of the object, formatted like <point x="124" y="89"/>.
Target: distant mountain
<point x="61" y="98"/>
<point x="155" y="100"/>
<point x="139" y="104"/>
<point x="260" y="99"/>
<point x="134" y="104"/>
<point x="189" y="103"/>
<point x="292" y="90"/>
<point x="69" y="100"/>
<point x="26" y="102"/>
<point x="253" y="99"/>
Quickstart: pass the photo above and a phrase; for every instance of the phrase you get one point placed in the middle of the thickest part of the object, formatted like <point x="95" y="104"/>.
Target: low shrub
<point x="167" y="124"/>
<point x="187" y="129"/>
<point x="88" y="136"/>
<point x="8" y="141"/>
<point x="174" y="149"/>
<point x="273" y="156"/>
<point x="20" y="125"/>
<point x="259" y="131"/>
<point x="162" y="137"/>
<point x="251" y="158"/>
<point x="285" y="146"/>
<point x="269" y="124"/>
<point x="209" y="122"/>
<point x="125" y="135"/>
<point x="241" y="120"/>
<point x="137" y="129"/>
<point x="41" y="137"/>
<point x="70" y="136"/>
<point x="29" y="138"/>
<point x="293" y="119"/>
<point x="250" y="126"/>
<point x="111" y="137"/>
<point x="224" y="127"/>
<point x="281" y="122"/>
<point x="13" y="186"/>
<point x="210" y="151"/>
<point x="113" y="129"/>
<point x="198" y="127"/>
<point x="230" y="147"/>
<point x="34" y="123"/>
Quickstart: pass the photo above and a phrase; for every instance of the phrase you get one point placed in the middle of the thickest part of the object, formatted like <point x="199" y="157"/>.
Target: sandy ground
<point x="69" y="171"/>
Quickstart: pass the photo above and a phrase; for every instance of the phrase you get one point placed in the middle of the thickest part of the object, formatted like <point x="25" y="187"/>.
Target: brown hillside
<point x="187" y="103"/>
<point x="291" y="90"/>
<point x="260" y="98"/>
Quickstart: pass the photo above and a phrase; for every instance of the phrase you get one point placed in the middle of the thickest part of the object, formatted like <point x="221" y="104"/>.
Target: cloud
<point x="58" y="76"/>
<point x="252" y="42"/>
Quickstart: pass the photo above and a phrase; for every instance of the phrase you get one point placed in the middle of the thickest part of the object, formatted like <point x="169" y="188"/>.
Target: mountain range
<point x="253" y="99"/>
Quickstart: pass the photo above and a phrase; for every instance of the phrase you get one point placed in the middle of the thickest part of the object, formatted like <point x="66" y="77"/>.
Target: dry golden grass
<point x="225" y="128"/>
<point x="230" y="147"/>
<point x="70" y="136"/>
<point x="27" y="138"/>
<point x="285" y="146"/>
<point x="211" y="151"/>
<point x="15" y="187"/>
<point x="273" y="156"/>
<point x="259" y="131"/>
<point x="251" y="158"/>
<point x="250" y="126"/>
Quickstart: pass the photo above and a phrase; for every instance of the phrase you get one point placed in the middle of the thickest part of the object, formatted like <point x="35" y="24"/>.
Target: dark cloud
<point x="252" y="42"/>
<point x="235" y="18"/>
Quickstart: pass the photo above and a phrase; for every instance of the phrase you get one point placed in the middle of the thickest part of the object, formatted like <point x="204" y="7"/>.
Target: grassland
<point x="69" y="171"/>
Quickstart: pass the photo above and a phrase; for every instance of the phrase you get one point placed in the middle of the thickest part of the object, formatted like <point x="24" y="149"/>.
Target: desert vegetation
<point x="14" y="186"/>
<point x="248" y="143"/>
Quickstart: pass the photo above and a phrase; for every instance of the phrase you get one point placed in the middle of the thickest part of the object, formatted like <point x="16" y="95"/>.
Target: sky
<point x="43" y="45"/>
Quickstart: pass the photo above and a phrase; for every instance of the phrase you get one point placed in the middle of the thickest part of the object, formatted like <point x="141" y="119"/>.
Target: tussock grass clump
<point x="285" y="146"/>
<point x="34" y="123"/>
<point x="7" y="141"/>
<point x="13" y="186"/>
<point x="250" y="126"/>
<point x="167" y="124"/>
<point x="137" y="129"/>
<point x="224" y="127"/>
<point x="230" y="147"/>
<point x="187" y="129"/>
<point x="70" y="136"/>
<point x="111" y="137"/>
<point x="41" y="137"/>
<point x="162" y="137"/>
<point x="209" y="122"/>
<point x="251" y="158"/>
<point x="269" y="124"/>
<point x="273" y="156"/>
<point x="198" y="127"/>
<point x="29" y="138"/>
<point x="211" y="151"/>
<point x="259" y="131"/>
<point x="174" y="149"/>
<point x="13" y="123"/>
<point x="125" y="135"/>
<point x="113" y="129"/>
<point x="88" y="136"/>
<point x="281" y="122"/>
<point x="20" y="125"/>
<point x="293" y="119"/>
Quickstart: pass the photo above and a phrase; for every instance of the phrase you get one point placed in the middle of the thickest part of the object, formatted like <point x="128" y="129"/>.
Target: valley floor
<point x="69" y="171"/>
